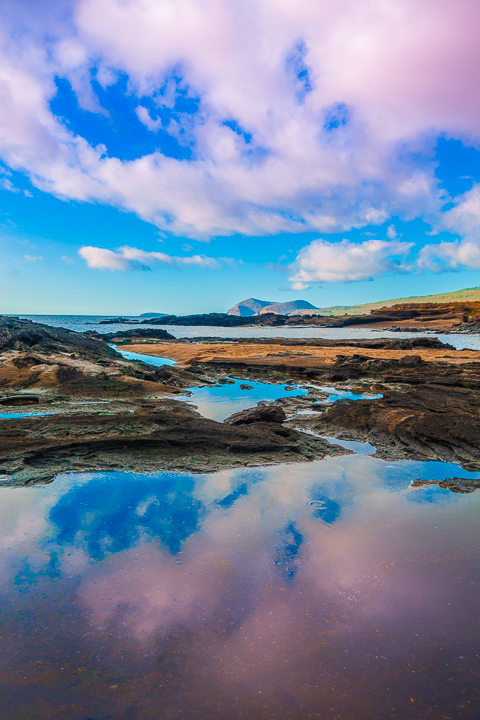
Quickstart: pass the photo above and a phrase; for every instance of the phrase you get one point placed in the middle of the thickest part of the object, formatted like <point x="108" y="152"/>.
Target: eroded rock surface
<point x="427" y="422"/>
<point x="265" y="413"/>
<point x="169" y="435"/>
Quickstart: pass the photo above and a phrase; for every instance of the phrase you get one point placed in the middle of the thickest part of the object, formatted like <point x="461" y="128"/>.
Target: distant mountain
<point x="249" y="307"/>
<point x="294" y="307"/>
<point x="252" y="306"/>
<point x="147" y="315"/>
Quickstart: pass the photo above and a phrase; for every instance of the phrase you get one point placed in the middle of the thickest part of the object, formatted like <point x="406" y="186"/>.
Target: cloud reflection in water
<point x="232" y="594"/>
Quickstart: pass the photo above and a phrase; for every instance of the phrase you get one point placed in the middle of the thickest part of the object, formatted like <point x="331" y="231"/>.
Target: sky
<point x="182" y="155"/>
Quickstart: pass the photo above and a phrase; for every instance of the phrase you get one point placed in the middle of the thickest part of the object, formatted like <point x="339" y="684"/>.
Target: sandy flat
<point x="289" y="355"/>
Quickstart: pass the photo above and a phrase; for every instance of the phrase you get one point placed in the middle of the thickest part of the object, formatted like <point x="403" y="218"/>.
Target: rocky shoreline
<point x="452" y="317"/>
<point x="94" y="410"/>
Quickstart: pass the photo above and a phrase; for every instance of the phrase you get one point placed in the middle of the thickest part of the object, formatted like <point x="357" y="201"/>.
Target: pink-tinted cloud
<point x="345" y="261"/>
<point x="403" y="70"/>
<point x="128" y="258"/>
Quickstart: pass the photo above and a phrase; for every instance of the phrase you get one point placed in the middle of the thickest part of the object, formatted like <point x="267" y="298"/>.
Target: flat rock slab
<point x="36" y="449"/>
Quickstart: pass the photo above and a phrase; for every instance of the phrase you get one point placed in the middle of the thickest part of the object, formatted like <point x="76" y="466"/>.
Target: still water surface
<point x="326" y="590"/>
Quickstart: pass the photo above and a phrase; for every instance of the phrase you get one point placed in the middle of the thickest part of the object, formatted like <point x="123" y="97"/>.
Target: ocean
<point x="87" y="323"/>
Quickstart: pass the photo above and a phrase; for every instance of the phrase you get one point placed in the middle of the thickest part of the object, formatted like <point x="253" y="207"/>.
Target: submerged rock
<point x="465" y="486"/>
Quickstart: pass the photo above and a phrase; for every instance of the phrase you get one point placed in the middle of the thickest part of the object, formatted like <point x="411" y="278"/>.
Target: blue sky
<point x="152" y="164"/>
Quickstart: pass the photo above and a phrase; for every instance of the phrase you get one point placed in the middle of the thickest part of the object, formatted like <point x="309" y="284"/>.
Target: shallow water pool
<point x="11" y="416"/>
<point x="329" y="589"/>
<point x="219" y="402"/>
<point x="149" y="359"/>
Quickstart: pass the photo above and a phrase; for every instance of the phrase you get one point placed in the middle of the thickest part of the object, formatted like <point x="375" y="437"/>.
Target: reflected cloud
<point x="265" y="592"/>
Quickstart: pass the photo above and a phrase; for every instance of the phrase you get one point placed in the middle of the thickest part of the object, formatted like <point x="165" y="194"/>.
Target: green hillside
<point x="469" y="294"/>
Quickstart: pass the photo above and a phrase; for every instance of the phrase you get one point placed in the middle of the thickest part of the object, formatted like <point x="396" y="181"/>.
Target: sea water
<point x="85" y="323"/>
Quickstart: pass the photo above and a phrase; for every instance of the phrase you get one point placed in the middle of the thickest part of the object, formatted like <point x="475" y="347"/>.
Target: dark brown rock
<point x="19" y="400"/>
<point x="427" y="422"/>
<point x="136" y="333"/>
<point x="25" y="335"/>
<point x="167" y="435"/>
<point x="411" y="361"/>
<point x="464" y="486"/>
<point x="261" y="414"/>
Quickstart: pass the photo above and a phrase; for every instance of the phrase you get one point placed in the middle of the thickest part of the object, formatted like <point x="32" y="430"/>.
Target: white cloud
<point x="463" y="219"/>
<point x="145" y="118"/>
<point x="7" y="184"/>
<point x="391" y="232"/>
<point x="33" y="258"/>
<point x="459" y="255"/>
<point x="345" y="261"/>
<point x="128" y="258"/>
<point x="67" y="260"/>
<point x="405" y="71"/>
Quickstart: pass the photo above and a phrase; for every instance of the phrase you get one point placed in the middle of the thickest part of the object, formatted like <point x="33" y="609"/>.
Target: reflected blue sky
<point x="218" y="403"/>
<point x="264" y="578"/>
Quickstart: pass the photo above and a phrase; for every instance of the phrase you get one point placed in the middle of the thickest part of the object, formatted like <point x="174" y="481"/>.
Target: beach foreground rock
<point x="158" y="436"/>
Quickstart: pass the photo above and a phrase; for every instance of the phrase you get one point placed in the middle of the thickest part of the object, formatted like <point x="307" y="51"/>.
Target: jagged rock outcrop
<point x="25" y="335"/>
<point x="427" y="422"/>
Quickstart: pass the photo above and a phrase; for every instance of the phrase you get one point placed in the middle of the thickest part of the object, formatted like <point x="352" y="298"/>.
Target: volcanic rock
<point x="25" y="335"/>
<point x="168" y="435"/>
<point x="428" y="422"/>
<point x="136" y="333"/>
<point x="262" y="413"/>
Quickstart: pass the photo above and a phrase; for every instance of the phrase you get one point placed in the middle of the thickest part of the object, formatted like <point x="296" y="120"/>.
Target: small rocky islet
<point x="94" y="410"/>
